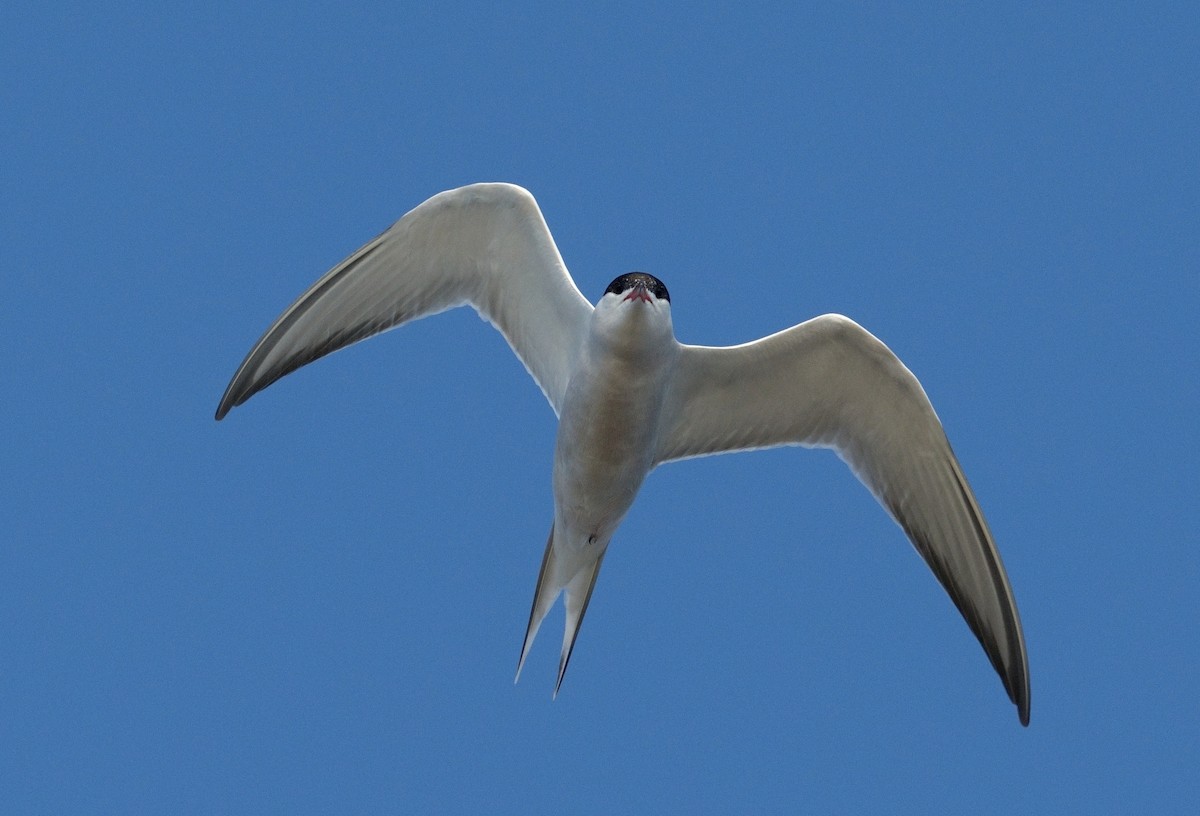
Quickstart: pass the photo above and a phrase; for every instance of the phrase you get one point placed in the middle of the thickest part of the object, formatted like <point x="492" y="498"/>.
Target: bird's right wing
<point x="485" y="245"/>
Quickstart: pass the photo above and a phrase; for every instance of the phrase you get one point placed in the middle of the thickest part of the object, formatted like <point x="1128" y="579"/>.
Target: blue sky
<point x="316" y="605"/>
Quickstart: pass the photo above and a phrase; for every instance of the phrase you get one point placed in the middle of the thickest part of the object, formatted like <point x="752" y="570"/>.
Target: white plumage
<point x="630" y="397"/>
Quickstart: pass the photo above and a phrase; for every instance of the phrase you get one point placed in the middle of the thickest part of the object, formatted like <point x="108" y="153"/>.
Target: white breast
<point x="607" y="431"/>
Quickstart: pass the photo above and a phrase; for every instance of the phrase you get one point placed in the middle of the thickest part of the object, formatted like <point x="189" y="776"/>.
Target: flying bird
<point x="629" y="397"/>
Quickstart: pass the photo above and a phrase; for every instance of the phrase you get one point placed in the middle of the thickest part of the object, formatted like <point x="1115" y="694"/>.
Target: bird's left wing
<point x="485" y="245"/>
<point x="829" y="383"/>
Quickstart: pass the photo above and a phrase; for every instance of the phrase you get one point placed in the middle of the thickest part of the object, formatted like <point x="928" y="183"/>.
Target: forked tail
<point x="550" y="583"/>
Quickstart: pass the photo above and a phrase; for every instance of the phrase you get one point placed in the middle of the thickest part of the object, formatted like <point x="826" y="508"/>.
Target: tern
<point x="630" y="397"/>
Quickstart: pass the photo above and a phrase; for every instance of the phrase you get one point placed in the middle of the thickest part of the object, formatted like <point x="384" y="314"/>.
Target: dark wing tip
<point x="1005" y="648"/>
<point x="243" y="386"/>
<point x="227" y="402"/>
<point x="1017" y="686"/>
<point x="239" y="390"/>
<point x="1021" y="698"/>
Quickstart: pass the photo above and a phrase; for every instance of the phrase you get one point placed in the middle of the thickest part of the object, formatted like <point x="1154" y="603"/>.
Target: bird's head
<point x="638" y="286"/>
<point x="634" y="309"/>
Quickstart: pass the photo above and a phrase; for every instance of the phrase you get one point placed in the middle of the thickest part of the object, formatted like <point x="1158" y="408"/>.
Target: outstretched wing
<point x="485" y="245"/>
<point x="829" y="383"/>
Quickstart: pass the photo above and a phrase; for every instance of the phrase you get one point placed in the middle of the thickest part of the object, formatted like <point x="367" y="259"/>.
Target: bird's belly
<point x="603" y="453"/>
<point x="595" y="487"/>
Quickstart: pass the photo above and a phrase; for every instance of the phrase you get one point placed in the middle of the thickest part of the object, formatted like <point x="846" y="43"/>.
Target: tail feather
<point x="579" y="594"/>
<point x="553" y="578"/>
<point x="544" y="597"/>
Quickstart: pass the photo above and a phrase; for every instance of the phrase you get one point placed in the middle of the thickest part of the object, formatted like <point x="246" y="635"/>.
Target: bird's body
<point x="609" y="422"/>
<point x="630" y="397"/>
<point x="605" y="447"/>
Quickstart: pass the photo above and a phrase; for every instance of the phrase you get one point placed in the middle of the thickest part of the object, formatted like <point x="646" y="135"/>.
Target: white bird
<point x="630" y="397"/>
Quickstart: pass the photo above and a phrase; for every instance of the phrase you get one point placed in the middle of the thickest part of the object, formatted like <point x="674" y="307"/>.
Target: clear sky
<point x="316" y="605"/>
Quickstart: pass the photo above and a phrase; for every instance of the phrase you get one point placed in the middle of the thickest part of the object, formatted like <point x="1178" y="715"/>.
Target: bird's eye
<point x="620" y="284"/>
<point x="627" y="281"/>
